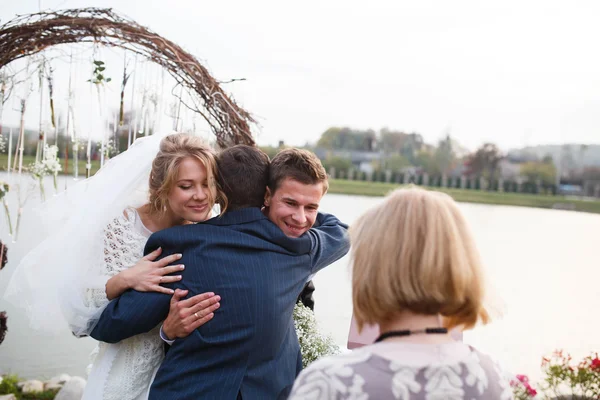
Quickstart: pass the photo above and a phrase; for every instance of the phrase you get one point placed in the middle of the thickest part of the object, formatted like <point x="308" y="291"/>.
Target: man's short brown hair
<point x="297" y="164"/>
<point x="243" y="176"/>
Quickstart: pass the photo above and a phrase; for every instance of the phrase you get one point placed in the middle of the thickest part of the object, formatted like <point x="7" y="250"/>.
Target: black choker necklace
<point x="407" y="332"/>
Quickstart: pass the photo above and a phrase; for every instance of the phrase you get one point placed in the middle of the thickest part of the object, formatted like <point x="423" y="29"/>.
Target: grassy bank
<point x="363" y="188"/>
<point x="28" y="160"/>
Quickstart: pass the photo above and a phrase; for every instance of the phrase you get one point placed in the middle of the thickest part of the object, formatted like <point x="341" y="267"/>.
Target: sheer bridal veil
<point x="49" y="281"/>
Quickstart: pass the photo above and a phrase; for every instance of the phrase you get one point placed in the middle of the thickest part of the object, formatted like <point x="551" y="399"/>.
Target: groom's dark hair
<point x="243" y="176"/>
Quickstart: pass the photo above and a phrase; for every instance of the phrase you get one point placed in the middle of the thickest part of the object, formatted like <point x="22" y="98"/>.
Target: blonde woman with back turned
<point x="416" y="273"/>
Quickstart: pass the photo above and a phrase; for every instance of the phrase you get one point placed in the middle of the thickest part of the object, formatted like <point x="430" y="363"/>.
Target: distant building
<point x="591" y="188"/>
<point x="509" y="169"/>
<point x="361" y="160"/>
<point x="459" y="170"/>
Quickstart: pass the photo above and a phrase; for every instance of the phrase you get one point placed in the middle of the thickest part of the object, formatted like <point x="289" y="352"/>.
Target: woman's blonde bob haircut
<point x="165" y="167"/>
<point x="414" y="252"/>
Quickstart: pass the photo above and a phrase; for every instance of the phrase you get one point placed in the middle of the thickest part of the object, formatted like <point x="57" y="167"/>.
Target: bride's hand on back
<point x="187" y="315"/>
<point x="146" y="275"/>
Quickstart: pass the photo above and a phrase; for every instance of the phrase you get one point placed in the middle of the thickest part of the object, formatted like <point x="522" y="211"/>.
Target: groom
<point x="250" y="350"/>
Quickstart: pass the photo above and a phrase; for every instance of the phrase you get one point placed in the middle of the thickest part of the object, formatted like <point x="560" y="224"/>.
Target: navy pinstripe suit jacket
<point x="250" y="348"/>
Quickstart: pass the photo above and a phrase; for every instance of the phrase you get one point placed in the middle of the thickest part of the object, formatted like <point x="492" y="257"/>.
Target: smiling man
<point x="297" y="183"/>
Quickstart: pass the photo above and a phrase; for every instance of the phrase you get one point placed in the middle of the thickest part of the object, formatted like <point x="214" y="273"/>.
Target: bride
<point x="105" y="222"/>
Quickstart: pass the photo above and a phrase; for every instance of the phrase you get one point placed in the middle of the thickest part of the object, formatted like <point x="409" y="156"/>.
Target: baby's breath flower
<point x="313" y="344"/>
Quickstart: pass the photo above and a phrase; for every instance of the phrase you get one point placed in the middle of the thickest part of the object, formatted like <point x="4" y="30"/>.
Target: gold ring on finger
<point x="197" y="316"/>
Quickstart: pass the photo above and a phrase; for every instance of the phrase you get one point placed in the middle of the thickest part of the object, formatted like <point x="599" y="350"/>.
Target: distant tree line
<point x="396" y="150"/>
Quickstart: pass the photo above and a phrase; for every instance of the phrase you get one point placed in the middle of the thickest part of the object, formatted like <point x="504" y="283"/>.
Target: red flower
<point x="523" y="380"/>
<point x="595" y="363"/>
<point x="545" y="361"/>
<point x="558" y="353"/>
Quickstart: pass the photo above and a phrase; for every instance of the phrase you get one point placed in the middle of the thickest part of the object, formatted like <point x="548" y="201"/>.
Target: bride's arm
<point x="145" y="276"/>
<point x="135" y="312"/>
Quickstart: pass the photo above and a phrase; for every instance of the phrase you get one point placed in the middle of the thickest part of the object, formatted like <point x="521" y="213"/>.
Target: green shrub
<point x="45" y="395"/>
<point x="9" y="385"/>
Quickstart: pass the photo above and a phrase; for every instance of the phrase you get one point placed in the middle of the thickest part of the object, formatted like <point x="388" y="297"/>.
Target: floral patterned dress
<point x="393" y="370"/>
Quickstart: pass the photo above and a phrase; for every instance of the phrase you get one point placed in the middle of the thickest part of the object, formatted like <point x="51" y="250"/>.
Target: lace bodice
<point x="130" y="373"/>
<point x="124" y="241"/>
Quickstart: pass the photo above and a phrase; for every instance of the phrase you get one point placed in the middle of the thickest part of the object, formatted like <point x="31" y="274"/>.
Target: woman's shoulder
<point x="128" y="222"/>
<point x="348" y="357"/>
<point x="130" y="214"/>
<point x="123" y="220"/>
<point x="335" y="373"/>
<point x="494" y="370"/>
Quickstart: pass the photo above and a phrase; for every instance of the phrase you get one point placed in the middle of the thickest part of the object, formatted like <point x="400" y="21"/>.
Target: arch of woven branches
<point x="29" y="34"/>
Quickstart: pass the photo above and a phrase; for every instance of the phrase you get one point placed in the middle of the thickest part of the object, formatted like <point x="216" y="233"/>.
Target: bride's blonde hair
<point x="174" y="149"/>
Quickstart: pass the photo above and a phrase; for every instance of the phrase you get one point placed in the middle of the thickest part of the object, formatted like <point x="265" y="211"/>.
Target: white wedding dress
<point x="62" y="286"/>
<point x="124" y="370"/>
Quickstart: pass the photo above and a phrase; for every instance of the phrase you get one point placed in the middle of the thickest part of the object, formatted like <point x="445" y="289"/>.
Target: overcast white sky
<point x="512" y="72"/>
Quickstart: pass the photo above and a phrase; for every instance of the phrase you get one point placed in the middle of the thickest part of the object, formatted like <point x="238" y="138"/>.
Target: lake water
<point x="545" y="264"/>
